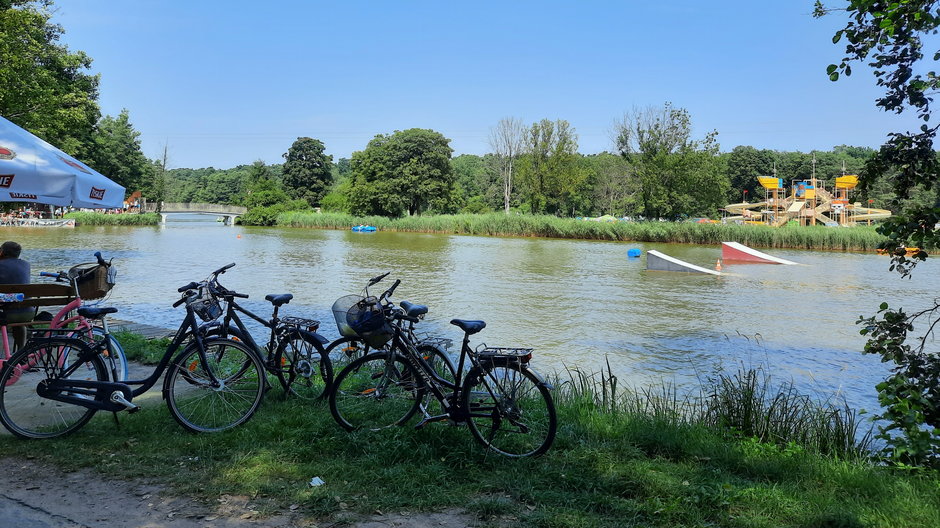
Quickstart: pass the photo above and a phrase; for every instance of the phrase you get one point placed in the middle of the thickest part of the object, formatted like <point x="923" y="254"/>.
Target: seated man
<point x="14" y="270"/>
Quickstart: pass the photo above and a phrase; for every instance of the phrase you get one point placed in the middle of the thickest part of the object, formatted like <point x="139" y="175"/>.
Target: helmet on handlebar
<point x="368" y="320"/>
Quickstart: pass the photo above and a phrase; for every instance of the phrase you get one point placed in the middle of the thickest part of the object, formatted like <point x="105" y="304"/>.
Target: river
<point x="578" y="303"/>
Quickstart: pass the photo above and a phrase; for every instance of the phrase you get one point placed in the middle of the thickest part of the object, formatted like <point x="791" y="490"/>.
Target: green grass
<point x="861" y="238"/>
<point x="98" y="219"/>
<point x="622" y="458"/>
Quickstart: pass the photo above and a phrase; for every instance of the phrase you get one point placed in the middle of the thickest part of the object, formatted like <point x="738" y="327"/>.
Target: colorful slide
<point x="742" y="253"/>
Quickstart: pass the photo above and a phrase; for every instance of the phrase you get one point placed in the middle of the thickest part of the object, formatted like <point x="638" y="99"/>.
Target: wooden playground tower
<point x="808" y="203"/>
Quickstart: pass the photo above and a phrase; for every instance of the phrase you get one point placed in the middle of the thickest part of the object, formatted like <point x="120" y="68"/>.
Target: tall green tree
<point x="745" y="164"/>
<point x="675" y="175"/>
<point x="889" y="36"/>
<point x="116" y="153"/>
<point x="46" y="88"/>
<point x="308" y="170"/>
<point x="405" y="173"/>
<point x="550" y="176"/>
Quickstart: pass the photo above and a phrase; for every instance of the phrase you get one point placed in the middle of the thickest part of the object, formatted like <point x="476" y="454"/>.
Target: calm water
<point x="578" y="303"/>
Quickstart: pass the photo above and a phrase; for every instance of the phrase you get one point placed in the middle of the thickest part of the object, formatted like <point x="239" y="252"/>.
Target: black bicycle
<point x="505" y="403"/>
<point x="294" y="351"/>
<point x="57" y="383"/>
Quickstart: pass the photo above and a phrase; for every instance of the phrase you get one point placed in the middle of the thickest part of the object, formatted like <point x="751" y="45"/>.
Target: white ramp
<point x="740" y="252"/>
<point x="657" y="261"/>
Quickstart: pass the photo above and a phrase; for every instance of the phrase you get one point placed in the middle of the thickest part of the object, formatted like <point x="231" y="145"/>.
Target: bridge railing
<point x="170" y="207"/>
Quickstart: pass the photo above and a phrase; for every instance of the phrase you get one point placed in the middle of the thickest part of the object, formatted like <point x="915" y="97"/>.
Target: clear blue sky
<point x="230" y="82"/>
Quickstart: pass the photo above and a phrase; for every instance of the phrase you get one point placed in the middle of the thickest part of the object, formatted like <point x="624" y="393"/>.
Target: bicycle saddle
<point x="279" y="299"/>
<point x="413" y="310"/>
<point x="470" y="327"/>
<point x="94" y="312"/>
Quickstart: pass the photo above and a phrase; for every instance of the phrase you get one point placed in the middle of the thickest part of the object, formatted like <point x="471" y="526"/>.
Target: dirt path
<point x="33" y="495"/>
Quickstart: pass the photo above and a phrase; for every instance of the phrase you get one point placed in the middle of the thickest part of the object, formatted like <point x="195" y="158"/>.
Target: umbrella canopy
<point x="32" y="170"/>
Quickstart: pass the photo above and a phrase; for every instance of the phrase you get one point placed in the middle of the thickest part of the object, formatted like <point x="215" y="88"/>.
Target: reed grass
<point x="860" y="238"/>
<point x="100" y="219"/>
<point x="745" y="403"/>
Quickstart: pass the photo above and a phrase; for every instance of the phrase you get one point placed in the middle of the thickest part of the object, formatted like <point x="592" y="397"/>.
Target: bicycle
<point x="352" y="346"/>
<point x="57" y="383"/>
<point x="87" y="278"/>
<point x="294" y="352"/>
<point x="505" y="403"/>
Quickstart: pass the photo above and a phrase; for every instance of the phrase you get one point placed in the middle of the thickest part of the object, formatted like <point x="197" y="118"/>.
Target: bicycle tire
<point x="302" y="367"/>
<point x="23" y="411"/>
<point x="202" y="408"/>
<point x="509" y="410"/>
<point x="375" y="392"/>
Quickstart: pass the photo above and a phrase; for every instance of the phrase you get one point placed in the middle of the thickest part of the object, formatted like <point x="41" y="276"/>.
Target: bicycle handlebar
<point x="388" y="292"/>
<point x="57" y="275"/>
<point x="189" y="286"/>
<point x="223" y="268"/>
<point x="100" y="258"/>
<point x="376" y="280"/>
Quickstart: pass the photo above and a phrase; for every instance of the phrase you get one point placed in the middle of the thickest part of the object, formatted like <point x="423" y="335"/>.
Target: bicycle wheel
<point x="374" y="392"/>
<point x="23" y="411"/>
<point x="201" y="407"/>
<point x="509" y="410"/>
<point x="302" y="367"/>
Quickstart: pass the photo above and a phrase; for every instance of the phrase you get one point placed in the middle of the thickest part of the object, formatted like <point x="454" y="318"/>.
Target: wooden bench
<point x="40" y="294"/>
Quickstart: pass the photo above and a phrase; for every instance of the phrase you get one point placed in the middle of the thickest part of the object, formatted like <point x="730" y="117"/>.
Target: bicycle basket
<point x="204" y="305"/>
<point x="94" y="280"/>
<point x="368" y="321"/>
<point x="340" y="307"/>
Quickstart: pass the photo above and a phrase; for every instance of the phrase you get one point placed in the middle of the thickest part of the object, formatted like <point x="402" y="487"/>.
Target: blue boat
<point x="363" y="229"/>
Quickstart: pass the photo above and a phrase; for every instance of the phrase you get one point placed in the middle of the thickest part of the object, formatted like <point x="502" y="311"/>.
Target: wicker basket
<point x="94" y="280"/>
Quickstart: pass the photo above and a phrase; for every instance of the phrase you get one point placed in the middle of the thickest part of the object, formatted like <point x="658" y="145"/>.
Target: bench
<point x="40" y="294"/>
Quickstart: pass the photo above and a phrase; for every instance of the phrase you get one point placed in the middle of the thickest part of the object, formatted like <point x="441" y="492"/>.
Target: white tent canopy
<point x="32" y="170"/>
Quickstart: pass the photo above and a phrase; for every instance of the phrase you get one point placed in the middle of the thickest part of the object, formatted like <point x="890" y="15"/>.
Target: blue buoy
<point x="364" y="229"/>
<point x="633" y="253"/>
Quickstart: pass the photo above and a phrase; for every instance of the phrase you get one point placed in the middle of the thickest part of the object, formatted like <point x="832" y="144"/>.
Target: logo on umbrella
<point x="96" y="194"/>
<point x="6" y="154"/>
<point x="6" y="180"/>
<point x="23" y="196"/>
<point x="71" y="163"/>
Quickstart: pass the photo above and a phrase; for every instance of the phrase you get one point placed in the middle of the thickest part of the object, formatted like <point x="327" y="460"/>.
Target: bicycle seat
<point x="279" y="299"/>
<point x="413" y="310"/>
<point x="94" y="312"/>
<point x="470" y="327"/>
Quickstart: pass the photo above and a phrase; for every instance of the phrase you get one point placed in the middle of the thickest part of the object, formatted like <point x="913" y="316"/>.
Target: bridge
<point x="228" y="212"/>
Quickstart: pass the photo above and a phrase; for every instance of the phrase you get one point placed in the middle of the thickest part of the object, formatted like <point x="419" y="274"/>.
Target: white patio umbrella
<point x="32" y="170"/>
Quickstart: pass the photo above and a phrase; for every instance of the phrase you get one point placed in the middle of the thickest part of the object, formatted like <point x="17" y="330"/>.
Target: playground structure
<point x="807" y="203"/>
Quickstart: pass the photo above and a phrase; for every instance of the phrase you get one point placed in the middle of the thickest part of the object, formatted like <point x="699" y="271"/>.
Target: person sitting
<point x="14" y="270"/>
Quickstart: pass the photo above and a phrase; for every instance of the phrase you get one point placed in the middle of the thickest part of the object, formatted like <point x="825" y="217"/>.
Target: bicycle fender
<point x="317" y="337"/>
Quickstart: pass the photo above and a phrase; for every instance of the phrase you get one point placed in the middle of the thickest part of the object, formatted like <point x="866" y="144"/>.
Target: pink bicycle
<point x="89" y="280"/>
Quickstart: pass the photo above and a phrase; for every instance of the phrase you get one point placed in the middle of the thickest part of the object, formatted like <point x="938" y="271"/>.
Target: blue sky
<point x="228" y="83"/>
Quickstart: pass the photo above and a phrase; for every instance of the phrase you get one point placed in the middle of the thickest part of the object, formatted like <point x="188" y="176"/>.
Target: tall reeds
<point x="861" y="238"/>
<point x="745" y="403"/>
<point x="98" y="219"/>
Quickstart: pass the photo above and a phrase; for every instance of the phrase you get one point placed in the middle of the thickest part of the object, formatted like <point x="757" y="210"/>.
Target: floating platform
<point x="657" y="261"/>
<point x="742" y="253"/>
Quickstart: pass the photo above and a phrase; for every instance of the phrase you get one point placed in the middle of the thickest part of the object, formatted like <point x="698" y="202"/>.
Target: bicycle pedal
<point x="117" y="397"/>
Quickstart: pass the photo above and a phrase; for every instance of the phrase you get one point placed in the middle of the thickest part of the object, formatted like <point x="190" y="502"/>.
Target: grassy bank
<point x="740" y="453"/>
<point x="863" y="238"/>
<point x="97" y="219"/>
